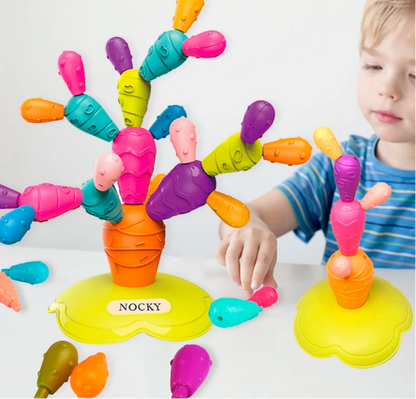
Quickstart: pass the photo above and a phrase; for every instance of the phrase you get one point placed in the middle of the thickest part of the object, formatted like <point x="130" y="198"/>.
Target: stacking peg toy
<point x="58" y="363"/>
<point x="190" y="368"/>
<point x="186" y="13"/>
<point x="34" y="272"/>
<point x="9" y="198"/>
<point x="265" y="297"/>
<point x="89" y="377"/>
<point x="8" y="294"/>
<point x="107" y="170"/>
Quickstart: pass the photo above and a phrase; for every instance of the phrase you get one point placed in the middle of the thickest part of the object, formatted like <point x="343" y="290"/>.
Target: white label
<point x="138" y="306"/>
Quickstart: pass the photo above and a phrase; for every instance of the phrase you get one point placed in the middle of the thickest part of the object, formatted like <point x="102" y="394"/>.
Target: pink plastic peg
<point x="209" y="44"/>
<point x="190" y="367"/>
<point x="348" y="220"/>
<point x="342" y="267"/>
<point x="71" y="68"/>
<point x="8" y="294"/>
<point x="183" y="137"/>
<point x="264" y="297"/>
<point x="107" y="170"/>
<point x="377" y="195"/>
<point x="50" y="201"/>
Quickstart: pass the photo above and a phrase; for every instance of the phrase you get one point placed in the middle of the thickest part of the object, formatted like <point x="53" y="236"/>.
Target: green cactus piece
<point x="232" y="155"/>
<point x="58" y="363"/>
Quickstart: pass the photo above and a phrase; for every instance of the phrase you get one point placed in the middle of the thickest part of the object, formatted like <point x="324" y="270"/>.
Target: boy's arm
<point x="270" y="211"/>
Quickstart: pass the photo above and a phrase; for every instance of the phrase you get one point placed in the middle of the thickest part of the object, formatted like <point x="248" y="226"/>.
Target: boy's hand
<point x="250" y="255"/>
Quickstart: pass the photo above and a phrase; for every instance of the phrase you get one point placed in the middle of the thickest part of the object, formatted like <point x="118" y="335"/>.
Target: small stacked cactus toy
<point x="350" y="270"/>
<point x="352" y="314"/>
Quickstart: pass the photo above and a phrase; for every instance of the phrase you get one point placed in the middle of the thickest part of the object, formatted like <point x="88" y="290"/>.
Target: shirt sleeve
<point x="310" y="192"/>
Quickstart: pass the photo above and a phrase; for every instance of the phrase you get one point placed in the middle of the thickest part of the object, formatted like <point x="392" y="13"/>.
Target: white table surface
<point x="256" y="359"/>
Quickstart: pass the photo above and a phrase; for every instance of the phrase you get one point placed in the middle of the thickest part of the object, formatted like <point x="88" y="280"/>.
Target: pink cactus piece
<point x="107" y="170"/>
<point x="378" y="194"/>
<point x="342" y="267"/>
<point x="50" y="201"/>
<point x="348" y="219"/>
<point x="265" y="297"/>
<point x="183" y="137"/>
<point x="209" y="44"/>
<point x="71" y="68"/>
<point x="8" y="294"/>
<point x="137" y="150"/>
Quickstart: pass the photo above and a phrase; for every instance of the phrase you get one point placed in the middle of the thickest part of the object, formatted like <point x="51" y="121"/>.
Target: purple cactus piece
<point x="185" y="188"/>
<point x="190" y="367"/>
<point x="257" y="120"/>
<point x="347" y="172"/>
<point x="118" y="53"/>
<point x="8" y="198"/>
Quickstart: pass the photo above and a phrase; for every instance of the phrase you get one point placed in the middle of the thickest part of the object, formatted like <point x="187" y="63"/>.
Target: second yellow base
<point x="96" y="311"/>
<point x="363" y="337"/>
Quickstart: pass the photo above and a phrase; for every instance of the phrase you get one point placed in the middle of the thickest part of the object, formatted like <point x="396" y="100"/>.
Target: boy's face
<point x="386" y="87"/>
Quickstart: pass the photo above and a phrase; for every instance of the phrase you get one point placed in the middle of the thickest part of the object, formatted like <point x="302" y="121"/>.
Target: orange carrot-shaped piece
<point x="293" y="151"/>
<point x="154" y="184"/>
<point x="186" y="13"/>
<point x="37" y="110"/>
<point x="229" y="210"/>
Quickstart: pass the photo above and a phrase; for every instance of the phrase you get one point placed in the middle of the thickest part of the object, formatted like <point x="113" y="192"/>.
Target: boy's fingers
<point x="248" y="259"/>
<point x="221" y="250"/>
<point x="269" y="277"/>
<point x="232" y="260"/>
<point x="263" y="263"/>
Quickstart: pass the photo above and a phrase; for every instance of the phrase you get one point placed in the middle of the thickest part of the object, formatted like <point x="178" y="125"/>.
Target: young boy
<point x="386" y="96"/>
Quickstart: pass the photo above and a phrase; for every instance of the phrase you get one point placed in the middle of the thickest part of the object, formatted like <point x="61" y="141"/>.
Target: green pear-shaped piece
<point x="58" y="362"/>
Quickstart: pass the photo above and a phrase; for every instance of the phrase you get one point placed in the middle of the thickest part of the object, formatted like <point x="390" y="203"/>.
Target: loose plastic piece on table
<point x="34" y="272"/>
<point x="265" y="297"/>
<point x="8" y="294"/>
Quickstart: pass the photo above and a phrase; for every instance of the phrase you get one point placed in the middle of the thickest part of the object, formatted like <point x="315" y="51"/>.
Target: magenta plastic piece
<point x="118" y="52"/>
<point x="257" y="120"/>
<point x="348" y="220"/>
<point x="50" y="201"/>
<point x="209" y="44"/>
<point x="71" y="68"/>
<point x="264" y="297"/>
<point x="190" y="368"/>
<point x="347" y="172"/>
<point x="9" y="198"/>
<point x="185" y="188"/>
<point x="137" y="150"/>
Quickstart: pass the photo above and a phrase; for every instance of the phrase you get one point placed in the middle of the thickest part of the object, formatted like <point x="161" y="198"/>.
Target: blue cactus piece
<point x="164" y="56"/>
<point x="105" y="205"/>
<point x="230" y="312"/>
<point x="35" y="272"/>
<point x="85" y="113"/>
<point x="15" y="224"/>
<point x="160" y="127"/>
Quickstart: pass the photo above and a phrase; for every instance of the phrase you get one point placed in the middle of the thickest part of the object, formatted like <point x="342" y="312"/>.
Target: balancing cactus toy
<point x="58" y="363"/>
<point x="28" y="272"/>
<point x="190" y="368"/>
<point x="352" y="314"/>
<point x="350" y="270"/>
<point x="133" y="216"/>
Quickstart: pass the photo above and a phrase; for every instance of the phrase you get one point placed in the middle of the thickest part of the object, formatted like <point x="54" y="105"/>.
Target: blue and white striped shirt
<point x="389" y="233"/>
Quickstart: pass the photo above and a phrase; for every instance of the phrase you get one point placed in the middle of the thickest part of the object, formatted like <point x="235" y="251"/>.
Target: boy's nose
<point x="391" y="89"/>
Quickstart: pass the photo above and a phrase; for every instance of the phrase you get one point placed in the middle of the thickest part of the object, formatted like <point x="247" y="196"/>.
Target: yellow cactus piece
<point x="232" y="155"/>
<point x="327" y="142"/>
<point x="228" y="209"/>
<point x="133" y="96"/>
<point x="186" y="14"/>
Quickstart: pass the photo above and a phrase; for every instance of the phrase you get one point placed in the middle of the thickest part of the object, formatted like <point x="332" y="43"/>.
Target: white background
<point x="302" y="56"/>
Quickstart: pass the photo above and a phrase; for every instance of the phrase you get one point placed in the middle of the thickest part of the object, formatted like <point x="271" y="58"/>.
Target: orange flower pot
<point x="134" y="246"/>
<point x="351" y="292"/>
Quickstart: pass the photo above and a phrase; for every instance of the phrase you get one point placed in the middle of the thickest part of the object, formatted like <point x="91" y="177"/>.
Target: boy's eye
<point x="412" y="76"/>
<point x="373" y="67"/>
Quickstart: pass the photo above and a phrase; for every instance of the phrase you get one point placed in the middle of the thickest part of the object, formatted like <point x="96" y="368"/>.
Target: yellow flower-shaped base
<point x="363" y="337"/>
<point x="96" y="311"/>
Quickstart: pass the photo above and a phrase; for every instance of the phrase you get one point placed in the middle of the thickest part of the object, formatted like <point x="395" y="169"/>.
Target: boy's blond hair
<point x="383" y="16"/>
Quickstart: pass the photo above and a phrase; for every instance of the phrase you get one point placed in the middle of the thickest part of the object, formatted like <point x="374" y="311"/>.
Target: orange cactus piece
<point x="351" y="291"/>
<point x="326" y="141"/>
<point x="378" y="194"/>
<point x="229" y="210"/>
<point x="89" y="377"/>
<point x="154" y="184"/>
<point x="293" y="151"/>
<point x="134" y="246"/>
<point x="186" y="13"/>
<point x="37" y="110"/>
